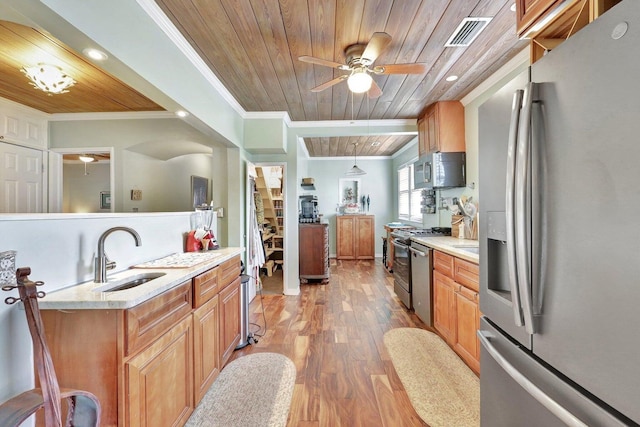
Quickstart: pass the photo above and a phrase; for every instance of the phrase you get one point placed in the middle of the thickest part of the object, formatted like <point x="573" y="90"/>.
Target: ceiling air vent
<point x="467" y="32"/>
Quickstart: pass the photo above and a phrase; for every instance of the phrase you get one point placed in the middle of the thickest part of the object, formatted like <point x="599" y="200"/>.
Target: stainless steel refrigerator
<point x="559" y="173"/>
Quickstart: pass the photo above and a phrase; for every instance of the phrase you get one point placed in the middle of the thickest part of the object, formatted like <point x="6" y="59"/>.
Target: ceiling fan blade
<point x="417" y="68"/>
<point x="330" y="83"/>
<point x="375" y="90"/>
<point x="318" y="61"/>
<point x="376" y="45"/>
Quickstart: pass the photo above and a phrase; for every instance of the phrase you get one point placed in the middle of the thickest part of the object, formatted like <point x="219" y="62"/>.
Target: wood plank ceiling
<point x="252" y="46"/>
<point x="95" y="90"/>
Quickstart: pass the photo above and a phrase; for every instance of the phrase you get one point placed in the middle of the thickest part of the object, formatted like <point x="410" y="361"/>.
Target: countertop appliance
<point x="558" y="154"/>
<point x="402" y="276"/>
<point x="421" y="265"/>
<point x="440" y="170"/>
<point x="309" y="209"/>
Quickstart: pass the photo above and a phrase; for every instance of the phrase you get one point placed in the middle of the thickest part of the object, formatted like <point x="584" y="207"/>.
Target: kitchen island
<point x="131" y="347"/>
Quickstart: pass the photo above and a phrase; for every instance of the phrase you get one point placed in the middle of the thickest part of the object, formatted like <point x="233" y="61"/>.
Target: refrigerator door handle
<point x="544" y="399"/>
<point x="510" y="206"/>
<point x="522" y="197"/>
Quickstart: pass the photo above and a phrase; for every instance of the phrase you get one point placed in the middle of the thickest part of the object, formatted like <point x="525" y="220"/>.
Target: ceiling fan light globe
<point x="48" y="78"/>
<point x="359" y="81"/>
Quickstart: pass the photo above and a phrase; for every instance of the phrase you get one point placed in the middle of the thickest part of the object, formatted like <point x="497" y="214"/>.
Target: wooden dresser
<point x="313" y="241"/>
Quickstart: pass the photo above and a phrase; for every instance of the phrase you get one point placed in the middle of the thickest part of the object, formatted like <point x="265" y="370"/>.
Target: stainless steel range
<point x="402" y="259"/>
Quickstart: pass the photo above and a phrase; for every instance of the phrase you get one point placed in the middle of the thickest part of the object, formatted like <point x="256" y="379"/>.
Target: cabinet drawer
<point x="443" y="263"/>
<point x="228" y="271"/>
<point x="466" y="273"/>
<point x="205" y="287"/>
<point x="147" y="321"/>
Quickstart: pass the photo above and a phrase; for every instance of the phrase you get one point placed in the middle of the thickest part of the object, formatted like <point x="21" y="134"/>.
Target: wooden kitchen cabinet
<point x="423" y="144"/>
<point x="442" y="128"/>
<point x="206" y="345"/>
<point x="528" y="12"/>
<point x="313" y="242"/>
<point x="177" y="341"/>
<point x="355" y="237"/>
<point x="456" y="305"/>
<point x="561" y="19"/>
<point x="444" y="305"/>
<point x="159" y="380"/>
<point x="229" y="320"/>
<point x="467" y="323"/>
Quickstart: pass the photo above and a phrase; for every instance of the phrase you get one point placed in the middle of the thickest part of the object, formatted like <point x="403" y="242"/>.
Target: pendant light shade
<point x="355" y="170"/>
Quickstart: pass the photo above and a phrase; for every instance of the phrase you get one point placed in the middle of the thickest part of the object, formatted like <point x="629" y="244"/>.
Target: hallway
<point x="334" y="335"/>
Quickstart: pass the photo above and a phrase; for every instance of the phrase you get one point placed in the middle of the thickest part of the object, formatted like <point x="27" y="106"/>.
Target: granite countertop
<point x="452" y="246"/>
<point x="178" y="268"/>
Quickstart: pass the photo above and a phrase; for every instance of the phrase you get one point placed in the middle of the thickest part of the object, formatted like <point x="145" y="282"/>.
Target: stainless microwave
<point x="440" y="170"/>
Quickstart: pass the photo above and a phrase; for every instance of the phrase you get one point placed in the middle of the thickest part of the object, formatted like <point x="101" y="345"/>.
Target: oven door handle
<point x="399" y="245"/>
<point x="417" y="252"/>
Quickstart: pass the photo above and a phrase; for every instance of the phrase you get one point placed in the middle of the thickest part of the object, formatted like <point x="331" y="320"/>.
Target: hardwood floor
<point x="334" y="335"/>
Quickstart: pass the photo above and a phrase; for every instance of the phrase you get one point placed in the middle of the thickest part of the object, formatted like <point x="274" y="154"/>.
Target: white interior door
<point x="21" y="179"/>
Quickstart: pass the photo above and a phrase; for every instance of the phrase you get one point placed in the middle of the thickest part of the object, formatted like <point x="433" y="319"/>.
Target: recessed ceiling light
<point x="451" y="78"/>
<point x="96" y="54"/>
<point x="513" y="7"/>
<point x="375" y="143"/>
<point x="181" y="113"/>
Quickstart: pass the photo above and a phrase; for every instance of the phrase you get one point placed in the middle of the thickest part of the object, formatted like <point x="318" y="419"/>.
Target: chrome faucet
<point x="102" y="263"/>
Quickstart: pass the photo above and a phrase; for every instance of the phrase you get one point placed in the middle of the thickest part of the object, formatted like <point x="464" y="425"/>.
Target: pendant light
<point x="355" y="170"/>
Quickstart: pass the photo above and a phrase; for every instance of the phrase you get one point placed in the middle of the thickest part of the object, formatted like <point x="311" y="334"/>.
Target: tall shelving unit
<point x="273" y="226"/>
<point x="267" y="200"/>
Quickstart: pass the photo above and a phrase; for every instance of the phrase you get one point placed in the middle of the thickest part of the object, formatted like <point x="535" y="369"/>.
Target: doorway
<point x="82" y="180"/>
<point x="270" y="202"/>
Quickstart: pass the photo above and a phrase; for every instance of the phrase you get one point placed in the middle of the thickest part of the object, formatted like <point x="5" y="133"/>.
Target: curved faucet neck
<point x="100" y="273"/>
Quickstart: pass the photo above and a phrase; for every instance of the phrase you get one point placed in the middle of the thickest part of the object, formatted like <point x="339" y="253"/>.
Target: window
<point x="408" y="197"/>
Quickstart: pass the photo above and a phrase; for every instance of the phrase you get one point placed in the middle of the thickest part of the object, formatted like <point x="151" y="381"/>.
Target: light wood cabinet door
<point x="229" y="300"/>
<point x="345" y="236"/>
<point x="467" y="273"/>
<point x="355" y="237"/>
<point x="528" y="12"/>
<point x="444" y="306"/>
<point x="467" y="324"/>
<point x="443" y="128"/>
<point x="159" y="380"/>
<point x="205" y="287"/>
<point x="444" y="263"/>
<point x="147" y="321"/>
<point x="423" y="143"/>
<point x="431" y="120"/>
<point x="206" y="346"/>
<point x="365" y="237"/>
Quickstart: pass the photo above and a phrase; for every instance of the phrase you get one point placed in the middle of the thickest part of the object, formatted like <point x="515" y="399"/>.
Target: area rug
<point x="442" y="389"/>
<point x="253" y="390"/>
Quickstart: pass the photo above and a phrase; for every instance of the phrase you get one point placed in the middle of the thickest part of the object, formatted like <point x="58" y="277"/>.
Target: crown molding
<point x="133" y="115"/>
<point x="157" y="15"/>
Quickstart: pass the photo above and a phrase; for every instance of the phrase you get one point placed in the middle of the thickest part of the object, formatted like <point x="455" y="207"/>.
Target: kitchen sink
<point x="129" y="282"/>
<point x="472" y="249"/>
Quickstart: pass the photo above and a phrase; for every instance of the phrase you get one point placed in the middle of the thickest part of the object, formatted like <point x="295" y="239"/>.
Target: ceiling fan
<point x="87" y="158"/>
<point x="360" y="58"/>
